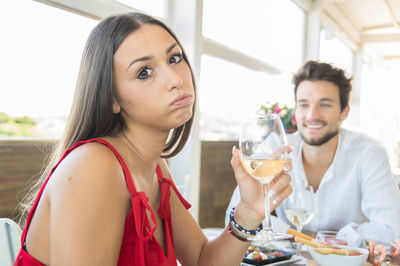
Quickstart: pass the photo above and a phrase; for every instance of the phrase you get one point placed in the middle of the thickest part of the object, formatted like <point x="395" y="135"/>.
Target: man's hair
<point x="315" y="71"/>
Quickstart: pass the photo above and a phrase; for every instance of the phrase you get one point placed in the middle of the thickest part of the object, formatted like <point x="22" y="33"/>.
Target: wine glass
<point x="300" y="208"/>
<point x="262" y="145"/>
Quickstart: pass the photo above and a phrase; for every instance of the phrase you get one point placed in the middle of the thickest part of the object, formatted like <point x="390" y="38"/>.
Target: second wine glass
<point x="262" y="145"/>
<point x="300" y="208"/>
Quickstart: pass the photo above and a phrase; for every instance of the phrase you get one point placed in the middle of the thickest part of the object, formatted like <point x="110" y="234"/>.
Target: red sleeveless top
<point x="139" y="246"/>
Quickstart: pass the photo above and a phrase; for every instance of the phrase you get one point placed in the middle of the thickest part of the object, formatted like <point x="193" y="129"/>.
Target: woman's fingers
<point x="280" y="189"/>
<point x="277" y="199"/>
<point x="288" y="165"/>
<point x="237" y="166"/>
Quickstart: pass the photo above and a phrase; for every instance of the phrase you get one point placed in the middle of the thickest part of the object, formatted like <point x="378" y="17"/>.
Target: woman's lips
<point x="182" y="101"/>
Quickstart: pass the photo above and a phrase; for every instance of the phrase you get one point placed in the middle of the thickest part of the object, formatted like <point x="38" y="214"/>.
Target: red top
<point x="139" y="246"/>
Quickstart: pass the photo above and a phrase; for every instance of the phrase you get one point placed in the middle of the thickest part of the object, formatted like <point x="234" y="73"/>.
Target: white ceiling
<point x="371" y="24"/>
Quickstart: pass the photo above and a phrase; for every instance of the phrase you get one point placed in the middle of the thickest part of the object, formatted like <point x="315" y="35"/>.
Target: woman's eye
<point x="144" y="73"/>
<point x="176" y="59"/>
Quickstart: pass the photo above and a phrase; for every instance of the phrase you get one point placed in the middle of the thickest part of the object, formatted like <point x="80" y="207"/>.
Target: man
<point x="350" y="173"/>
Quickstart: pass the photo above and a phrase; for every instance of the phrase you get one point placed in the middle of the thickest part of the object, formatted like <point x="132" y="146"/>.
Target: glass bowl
<point x="331" y="238"/>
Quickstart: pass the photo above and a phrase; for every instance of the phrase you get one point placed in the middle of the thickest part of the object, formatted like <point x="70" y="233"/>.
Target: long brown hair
<point x="91" y="114"/>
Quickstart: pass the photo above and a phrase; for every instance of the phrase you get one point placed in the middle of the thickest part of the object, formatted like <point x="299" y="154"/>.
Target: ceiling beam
<point x="394" y="37"/>
<point x="340" y="21"/>
<point x="392" y="57"/>
<point x="224" y="52"/>
<point x="392" y="14"/>
<point x="95" y="9"/>
<point x="377" y="27"/>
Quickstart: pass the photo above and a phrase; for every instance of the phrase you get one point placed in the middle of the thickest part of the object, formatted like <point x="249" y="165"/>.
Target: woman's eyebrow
<point x="140" y="59"/>
<point x="171" y="47"/>
<point x="146" y="58"/>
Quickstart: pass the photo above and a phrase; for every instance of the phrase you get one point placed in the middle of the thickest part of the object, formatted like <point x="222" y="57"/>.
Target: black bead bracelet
<point x="237" y="226"/>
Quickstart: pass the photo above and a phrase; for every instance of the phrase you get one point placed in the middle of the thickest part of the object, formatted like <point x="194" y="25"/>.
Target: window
<point x="41" y="49"/>
<point x="269" y="31"/>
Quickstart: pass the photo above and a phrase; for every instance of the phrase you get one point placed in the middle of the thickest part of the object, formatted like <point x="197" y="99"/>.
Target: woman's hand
<point x="251" y="193"/>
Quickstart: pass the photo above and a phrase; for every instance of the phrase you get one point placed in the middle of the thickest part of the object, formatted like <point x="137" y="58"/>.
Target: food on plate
<point x="395" y="252"/>
<point x="377" y="253"/>
<point x="306" y="241"/>
<point x="295" y="233"/>
<point x="337" y="251"/>
<point x="257" y="255"/>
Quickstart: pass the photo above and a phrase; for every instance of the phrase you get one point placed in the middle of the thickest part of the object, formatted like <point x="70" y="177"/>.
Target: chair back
<point x="10" y="241"/>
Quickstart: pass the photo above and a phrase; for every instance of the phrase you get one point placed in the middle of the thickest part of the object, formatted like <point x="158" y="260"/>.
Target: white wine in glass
<point x="300" y="208"/>
<point x="263" y="149"/>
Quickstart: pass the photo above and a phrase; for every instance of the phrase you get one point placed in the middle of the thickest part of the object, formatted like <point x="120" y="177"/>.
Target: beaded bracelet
<point x="241" y="229"/>
<point x="235" y="234"/>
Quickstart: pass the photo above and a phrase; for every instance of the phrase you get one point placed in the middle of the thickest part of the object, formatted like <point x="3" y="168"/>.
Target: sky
<point x="40" y="55"/>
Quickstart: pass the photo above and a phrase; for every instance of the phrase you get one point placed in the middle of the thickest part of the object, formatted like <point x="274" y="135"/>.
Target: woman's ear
<point x="116" y="107"/>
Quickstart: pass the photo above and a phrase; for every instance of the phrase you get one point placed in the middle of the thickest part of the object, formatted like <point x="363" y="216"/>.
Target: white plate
<point x="294" y="258"/>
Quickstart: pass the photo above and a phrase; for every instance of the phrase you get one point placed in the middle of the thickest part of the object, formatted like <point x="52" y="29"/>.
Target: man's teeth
<point x="314" y="126"/>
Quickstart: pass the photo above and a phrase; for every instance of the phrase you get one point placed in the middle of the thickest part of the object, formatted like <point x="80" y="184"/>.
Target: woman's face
<point x="153" y="83"/>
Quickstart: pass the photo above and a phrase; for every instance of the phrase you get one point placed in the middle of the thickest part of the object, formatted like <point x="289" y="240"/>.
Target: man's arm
<point x="379" y="202"/>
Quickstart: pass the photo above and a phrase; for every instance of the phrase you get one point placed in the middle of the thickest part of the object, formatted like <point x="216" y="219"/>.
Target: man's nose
<point x="312" y="112"/>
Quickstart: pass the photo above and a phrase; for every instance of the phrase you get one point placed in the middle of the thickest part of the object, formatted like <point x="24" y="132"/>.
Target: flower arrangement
<point x="285" y="113"/>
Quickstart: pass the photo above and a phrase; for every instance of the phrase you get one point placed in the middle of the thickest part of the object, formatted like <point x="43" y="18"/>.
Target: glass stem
<point x="299" y="228"/>
<point x="268" y="223"/>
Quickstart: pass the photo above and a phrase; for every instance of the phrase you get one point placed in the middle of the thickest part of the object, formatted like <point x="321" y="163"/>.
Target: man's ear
<point x="345" y="112"/>
<point x="116" y="107"/>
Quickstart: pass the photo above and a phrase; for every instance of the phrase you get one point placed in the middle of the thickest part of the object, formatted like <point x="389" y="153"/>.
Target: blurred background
<point x="243" y="52"/>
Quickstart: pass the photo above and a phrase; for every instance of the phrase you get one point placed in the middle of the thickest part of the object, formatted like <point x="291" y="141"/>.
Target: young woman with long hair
<point x="110" y="198"/>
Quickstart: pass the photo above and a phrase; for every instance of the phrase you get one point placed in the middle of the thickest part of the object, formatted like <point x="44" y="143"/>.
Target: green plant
<point x="4" y="118"/>
<point x="285" y="113"/>
<point x="25" y="120"/>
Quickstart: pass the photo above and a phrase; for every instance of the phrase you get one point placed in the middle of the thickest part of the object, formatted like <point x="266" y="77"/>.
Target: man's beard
<point x="318" y="142"/>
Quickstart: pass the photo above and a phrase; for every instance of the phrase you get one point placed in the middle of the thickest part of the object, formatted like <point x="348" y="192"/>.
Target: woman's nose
<point x="173" y="78"/>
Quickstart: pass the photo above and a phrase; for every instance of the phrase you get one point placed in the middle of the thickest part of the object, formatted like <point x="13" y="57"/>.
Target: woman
<point x="133" y="107"/>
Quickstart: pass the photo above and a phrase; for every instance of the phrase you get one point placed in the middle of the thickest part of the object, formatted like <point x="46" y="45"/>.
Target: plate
<point x="294" y="258"/>
<point x="272" y="258"/>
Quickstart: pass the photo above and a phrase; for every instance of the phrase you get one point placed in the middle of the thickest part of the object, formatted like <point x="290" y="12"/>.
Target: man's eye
<point x="144" y="73"/>
<point x="325" y="105"/>
<point x="176" y="59"/>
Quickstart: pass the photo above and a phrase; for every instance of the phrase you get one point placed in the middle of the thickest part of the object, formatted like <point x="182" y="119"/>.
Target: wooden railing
<point x="21" y="163"/>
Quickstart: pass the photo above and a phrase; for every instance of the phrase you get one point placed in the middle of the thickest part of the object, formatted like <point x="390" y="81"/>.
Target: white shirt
<point x="357" y="194"/>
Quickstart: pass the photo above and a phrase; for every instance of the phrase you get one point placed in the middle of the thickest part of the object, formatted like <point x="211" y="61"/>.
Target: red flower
<point x="294" y="119"/>
<point x="277" y="110"/>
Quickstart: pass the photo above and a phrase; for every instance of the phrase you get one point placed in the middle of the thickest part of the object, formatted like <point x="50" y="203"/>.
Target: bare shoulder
<point x="89" y="203"/>
<point x="89" y="167"/>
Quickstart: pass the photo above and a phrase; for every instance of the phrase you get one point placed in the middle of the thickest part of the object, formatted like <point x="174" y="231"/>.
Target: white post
<point x="312" y="32"/>
<point x="185" y="17"/>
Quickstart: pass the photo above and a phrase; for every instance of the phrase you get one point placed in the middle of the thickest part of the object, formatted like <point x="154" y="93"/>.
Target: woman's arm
<point x="89" y="203"/>
<point x="192" y="246"/>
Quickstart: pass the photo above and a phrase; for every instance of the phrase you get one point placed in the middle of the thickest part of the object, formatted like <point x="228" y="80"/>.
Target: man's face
<point x="318" y="111"/>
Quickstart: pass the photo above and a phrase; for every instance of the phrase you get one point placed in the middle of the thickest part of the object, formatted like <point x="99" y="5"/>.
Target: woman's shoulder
<point x="89" y="166"/>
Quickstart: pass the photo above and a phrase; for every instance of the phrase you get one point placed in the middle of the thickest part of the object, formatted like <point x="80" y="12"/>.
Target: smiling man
<point x="350" y="172"/>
